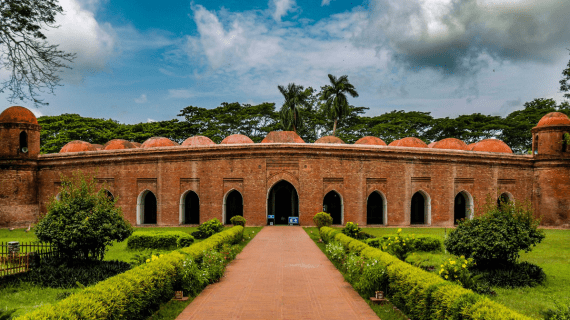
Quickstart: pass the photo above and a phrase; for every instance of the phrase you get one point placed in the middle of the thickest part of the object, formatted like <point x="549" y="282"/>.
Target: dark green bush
<point x="421" y="243"/>
<point x="238" y="221"/>
<point x="208" y="228"/>
<point x="351" y="229"/>
<point x="159" y="240"/>
<point x="523" y="274"/>
<point x="83" y="222"/>
<point x="496" y="238"/>
<point x="322" y="219"/>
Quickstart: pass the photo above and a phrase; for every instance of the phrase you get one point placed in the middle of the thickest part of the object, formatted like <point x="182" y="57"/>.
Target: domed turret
<point x="492" y="145"/>
<point x="370" y="140"/>
<point x="410" y="142"/>
<point x="236" y="139"/>
<point x="19" y="133"/>
<point x="197" y="141"/>
<point x="158" y="142"/>
<point x="548" y="135"/>
<point x="450" y="143"/>
<point x="18" y="114"/>
<point x="77" y="146"/>
<point x="329" y="139"/>
<point x="282" y="137"/>
<point x="554" y="119"/>
<point x="118" y="144"/>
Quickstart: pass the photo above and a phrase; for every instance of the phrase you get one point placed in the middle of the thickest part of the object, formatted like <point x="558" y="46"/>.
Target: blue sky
<point x="140" y="61"/>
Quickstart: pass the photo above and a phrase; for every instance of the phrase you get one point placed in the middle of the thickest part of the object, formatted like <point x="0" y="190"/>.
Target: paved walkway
<point x="280" y="274"/>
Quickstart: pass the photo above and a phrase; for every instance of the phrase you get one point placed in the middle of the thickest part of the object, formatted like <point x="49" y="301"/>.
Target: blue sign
<point x="270" y="216"/>
<point x="293" y="220"/>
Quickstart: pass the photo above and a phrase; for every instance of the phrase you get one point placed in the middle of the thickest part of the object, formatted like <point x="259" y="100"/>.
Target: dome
<point x="198" y="141"/>
<point x="554" y="119"/>
<point x="329" y="139"/>
<point x="450" y="143"/>
<point x="157" y="142"/>
<point x="97" y="146"/>
<point x="393" y="143"/>
<point x="430" y="145"/>
<point x="77" y="146"/>
<point x="471" y="146"/>
<point x="370" y="140"/>
<point x="118" y="144"/>
<point x="411" y="142"/>
<point x="236" y="138"/>
<point x="18" y="115"/>
<point x="136" y="144"/>
<point x="492" y="145"/>
<point x="282" y="137"/>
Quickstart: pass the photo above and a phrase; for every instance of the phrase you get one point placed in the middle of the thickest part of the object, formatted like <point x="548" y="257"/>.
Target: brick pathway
<point x="280" y="274"/>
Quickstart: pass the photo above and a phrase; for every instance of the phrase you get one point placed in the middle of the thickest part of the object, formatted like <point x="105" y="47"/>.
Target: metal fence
<point x="18" y="257"/>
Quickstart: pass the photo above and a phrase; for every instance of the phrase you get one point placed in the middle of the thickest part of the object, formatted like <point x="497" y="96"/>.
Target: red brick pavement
<point x="281" y="274"/>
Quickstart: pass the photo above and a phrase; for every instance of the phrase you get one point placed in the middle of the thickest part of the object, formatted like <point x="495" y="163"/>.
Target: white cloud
<point x="141" y="99"/>
<point x="281" y="7"/>
<point x="325" y="3"/>
<point x="149" y="120"/>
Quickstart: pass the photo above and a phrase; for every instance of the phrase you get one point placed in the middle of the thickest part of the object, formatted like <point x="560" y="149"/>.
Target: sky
<point x="141" y="61"/>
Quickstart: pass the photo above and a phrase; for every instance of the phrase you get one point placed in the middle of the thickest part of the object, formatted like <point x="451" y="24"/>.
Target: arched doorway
<point x="149" y="207"/>
<point x="233" y="205"/>
<point x="460" y="208"/>
<point x="375" y="209"/>
<point x="190" y="208"/>
<point x="418" y="209"/>
<point x="109" y="195"/>
<point x="332" y="205"/>
<point x="283" y="202"/>
<point x="504" y="198"/>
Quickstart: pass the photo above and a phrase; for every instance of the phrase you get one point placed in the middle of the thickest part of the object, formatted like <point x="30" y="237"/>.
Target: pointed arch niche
<point x="376" y="208"/>
<point x="189" y="209"/>
<point x="463" y="206"/>
<point x="420" y="209"/>
<point x="147" y="208"/>
<point x="233" y="205"/>
<point x="332" y="204"/>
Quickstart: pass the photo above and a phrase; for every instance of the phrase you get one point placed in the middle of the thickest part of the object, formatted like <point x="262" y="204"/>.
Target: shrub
<point x="399" y="246"/>
<point x="496" y="238"/>
<point x="238" y="221"/>
<point x="213" y="263"/>
<point x="454" y="269"/>
<point x="372" y="279"/>
<point x="208" y="228"/>
<point x="159" y="240"/>
<point x="83" y="222"/>
<point x="351" y="229"/>
<point x="335" y="252"/>
<point x="560" y="312"/>
<point x="512" y="276"/>
<point x="191" y="278"/>
<point x="354" y="266"/>
<point x="322" y="219"/>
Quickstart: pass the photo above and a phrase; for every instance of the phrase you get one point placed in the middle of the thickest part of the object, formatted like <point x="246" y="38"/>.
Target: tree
<point x="24" y="51"/>
<point x="84" y="221"/>
<point x="399" y="124"/>
<point x="336" y="103"/>
<point x="295" y="99"/>
<point x="565" y="81"/>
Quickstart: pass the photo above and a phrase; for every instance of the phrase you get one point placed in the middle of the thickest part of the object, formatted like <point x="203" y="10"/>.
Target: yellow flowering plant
<point x="400" y="245"/>
<point x="456" y="269"/>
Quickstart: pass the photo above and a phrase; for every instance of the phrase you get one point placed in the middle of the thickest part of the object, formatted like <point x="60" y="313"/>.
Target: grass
<point x="172" y="308"/>
<point x="552" y="254"/>
<point x="385" y="312"/>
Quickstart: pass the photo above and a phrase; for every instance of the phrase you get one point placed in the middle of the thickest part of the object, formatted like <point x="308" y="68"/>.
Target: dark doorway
<point x="375" y="209"/>
<point x="283" y="202"/>
<point x="109" y="195"/>
<point x="503" y="199"/>
<point x="234" y="205"/>
<point x="23" y="141"/>
<point x="417" y="214"/>
<point x="191" y="208"/>
<point x="149" y="212"/>
<point x="460" y="211"/>
<point x="333" y="206"/>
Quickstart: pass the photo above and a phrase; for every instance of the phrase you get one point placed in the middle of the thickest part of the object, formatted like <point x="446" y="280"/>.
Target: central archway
<point x="332" y="204"/>
<point x="282" y="202"/>
<point x="233" y="205"/>
<point x="420" y="209"/>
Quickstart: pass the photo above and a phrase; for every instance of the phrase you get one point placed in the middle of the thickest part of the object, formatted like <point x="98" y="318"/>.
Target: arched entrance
<point x="504" y="198"/>
<point x="460" y="208"/>
<point x="332" y="205"/>
<point x="233" y="205"/>
<point x="190" y="208"/>
<point x="109" y="195"/>
<point x="148" y="205"/>
<point x="418" y="212"/>
<point x="375" y="209"/>
<point x="283" y="202"/>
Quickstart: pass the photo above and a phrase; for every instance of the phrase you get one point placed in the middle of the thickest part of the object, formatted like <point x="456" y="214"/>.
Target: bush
<point x="322" y="219"/>
<point x="191" y="278"/>
<point x="512" y="276"/>
<point x="238" y="221"/>
<point x="351" y="229"/>
<point x="83" y="222"/>
<point x="335" y="252"/>
<point x="496" y="238"/>
<point x="399" y="246"/>
<point x="159" y="240"/>
<point x="560" y="312"/>
<point x="208" y="228"/>
<point x="372" y="279"/>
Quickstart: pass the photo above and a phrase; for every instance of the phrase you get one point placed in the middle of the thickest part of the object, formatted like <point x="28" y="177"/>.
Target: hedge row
<point x="159" y="240"/>
<point x="424" y="295"/>
<point x="135" y="293"/>
<point x="421" y="243"/>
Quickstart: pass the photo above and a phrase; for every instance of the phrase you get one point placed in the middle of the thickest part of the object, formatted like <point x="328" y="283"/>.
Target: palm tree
<point x="336" y="103"/>
<point x="295" y="98"/>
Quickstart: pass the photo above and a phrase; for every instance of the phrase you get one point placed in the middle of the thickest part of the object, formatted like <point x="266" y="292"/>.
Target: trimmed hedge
<point x="136" y="293"/>
<point x="422" y="243"/>
<point x="159" y="240"/>
<point x="424" y="295"/>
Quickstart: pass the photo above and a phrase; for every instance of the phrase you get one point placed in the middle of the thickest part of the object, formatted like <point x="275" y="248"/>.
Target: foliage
<point x="322" y="219"/>
<point x="353" y="266"/>
<point x="373" y="278"/>
<point x="84" y="221"/>
<point x="560" y="311"/>
<point x="414" y="244"/>
<point x="296" y="98"/>
<point x="208" y="228"/>
<point x="191" y="278"/>
<point x="7" y="314"/>
<point x="30" y="60"/>
<point x="517" y="275"/>
<point x="159" y="240"/>
<point x="351" y="229"/>
<point x="565" y="82"/>
<point x="399" y="246"/>
<point x="335" y="252"/>
<point x="238" y="221"/>
<point x="455" y="269"/>
<point x="334" y="95"/>
<point x="496" y="238"/>
<point x="213" y="264"/>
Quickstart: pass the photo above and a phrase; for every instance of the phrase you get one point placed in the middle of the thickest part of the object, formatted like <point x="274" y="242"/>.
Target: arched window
<point x="420" y="208"/>
<point x="535" y="145"/>
<point x="332" y="204"/>
<point x="233" y="205"/>
<point x="109" y="195"/>
<point x="23" y="142"/>
<point x="375" y="209"/>
<point x="504" y="198"/>
<point x="147" y="208"/>
<point x="463" y="206"/>
<point x="190" y="208"/>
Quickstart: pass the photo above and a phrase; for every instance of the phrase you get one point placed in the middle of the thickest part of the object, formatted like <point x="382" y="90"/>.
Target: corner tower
<point x="551" y="153"/>
<point x="19" y="150"/>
